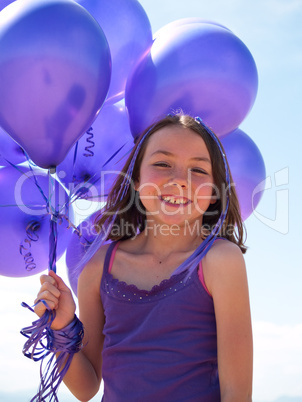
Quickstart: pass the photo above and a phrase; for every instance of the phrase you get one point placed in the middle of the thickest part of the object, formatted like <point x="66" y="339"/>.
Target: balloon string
<point x="29" y="177"/>
<point x="79" y="187"/>
<point x="53" y="230"/>
<point x="76" y="230"/>
<point x="30" y="163"/>
<point x="91" y="143"/>
<point x="79" y="191"/>
<point x="127" y="153"/>
<point x="70" y="224"/>
<point x="111" y="157"/>
<point x="24" y="205"/>
<point x="75" y="157"/>
<point x="114" y="154"/>
<point x="53" y="245"/>
<point x="69" y="201"/>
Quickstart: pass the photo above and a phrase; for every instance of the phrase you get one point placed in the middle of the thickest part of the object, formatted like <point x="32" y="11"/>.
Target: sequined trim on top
<point x="131" y="293"/>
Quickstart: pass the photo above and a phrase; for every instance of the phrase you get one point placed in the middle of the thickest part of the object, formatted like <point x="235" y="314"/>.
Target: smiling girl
<point x="165" y="305"/>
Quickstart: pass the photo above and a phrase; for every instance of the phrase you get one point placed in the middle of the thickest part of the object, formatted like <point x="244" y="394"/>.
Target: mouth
<point x="173" y="200"/>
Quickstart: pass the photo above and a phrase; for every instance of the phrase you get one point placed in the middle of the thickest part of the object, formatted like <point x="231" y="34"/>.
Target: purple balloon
<point x="248" y="169"/>
<point x="203" y="69"/>
<point x="184" y="21"/>
<point x="10" y="151"/>
<point x="128" y="31"/>
<point x="79" y="243"/>
<point x="5" y="3"/>
<point x="101" y="153"/>
<point x="55" y="70"/>
<point x="25" y="221"/>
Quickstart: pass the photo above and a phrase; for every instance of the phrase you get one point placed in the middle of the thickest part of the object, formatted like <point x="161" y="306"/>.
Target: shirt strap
<point x="110" y="256"/>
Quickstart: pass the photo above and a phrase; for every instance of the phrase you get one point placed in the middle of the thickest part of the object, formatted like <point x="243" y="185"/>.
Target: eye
<point x="198" y="170"/>
<point x="161" y="164"/>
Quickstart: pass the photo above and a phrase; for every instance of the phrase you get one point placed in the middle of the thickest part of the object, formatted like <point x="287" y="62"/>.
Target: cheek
<point x="149" y="182"/>
<point x="148" y="190"/>
<point x="203" y="191"/>
<point x="205" y="186"/>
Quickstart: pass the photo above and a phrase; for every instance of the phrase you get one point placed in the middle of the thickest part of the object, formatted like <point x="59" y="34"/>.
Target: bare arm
<point x="226" y="278"/>
<point x="85" y="373"/>
<point x="83" y="378"/>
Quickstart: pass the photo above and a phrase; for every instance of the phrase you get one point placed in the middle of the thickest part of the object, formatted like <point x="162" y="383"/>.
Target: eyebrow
<point x="194" y="158"/>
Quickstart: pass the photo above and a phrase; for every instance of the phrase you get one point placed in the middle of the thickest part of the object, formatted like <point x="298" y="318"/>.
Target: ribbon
<point x="58" y="346"/>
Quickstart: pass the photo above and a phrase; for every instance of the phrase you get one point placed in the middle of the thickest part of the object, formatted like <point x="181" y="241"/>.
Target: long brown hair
<point x="130" y="218"/>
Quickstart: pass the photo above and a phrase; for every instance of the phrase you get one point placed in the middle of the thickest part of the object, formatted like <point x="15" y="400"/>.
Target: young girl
<point x="164" y="306"/>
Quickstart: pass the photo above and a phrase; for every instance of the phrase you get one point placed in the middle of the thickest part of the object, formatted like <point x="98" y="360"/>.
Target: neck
<point x="163" y="239"/>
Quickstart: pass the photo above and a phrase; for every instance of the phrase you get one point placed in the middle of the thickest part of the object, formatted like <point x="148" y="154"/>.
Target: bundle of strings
<point x="191" y="263"/>
<point x="59" y="346"/>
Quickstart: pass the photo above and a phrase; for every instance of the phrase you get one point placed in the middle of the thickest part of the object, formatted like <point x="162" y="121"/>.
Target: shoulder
<point x="225" y="252"/>
<point x="223" y="264"/>
<point x="92" y="272"/>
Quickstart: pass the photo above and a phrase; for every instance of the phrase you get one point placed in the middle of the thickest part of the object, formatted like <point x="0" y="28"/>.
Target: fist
<point x="58" y="297"/>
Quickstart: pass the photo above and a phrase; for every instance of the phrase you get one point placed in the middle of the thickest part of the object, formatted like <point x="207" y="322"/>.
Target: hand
<point x="58" y="297"/>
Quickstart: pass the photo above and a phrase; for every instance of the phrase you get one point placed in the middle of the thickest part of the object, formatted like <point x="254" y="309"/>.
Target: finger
<point x="59" y="281"/>
<point x="42" y="305"/>
<point x="48" y="278"/>
<point x="47" y="286"/>
<point x="48" y="298"/>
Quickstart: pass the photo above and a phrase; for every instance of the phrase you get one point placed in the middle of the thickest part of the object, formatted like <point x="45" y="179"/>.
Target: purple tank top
<point x="160" y="345"/>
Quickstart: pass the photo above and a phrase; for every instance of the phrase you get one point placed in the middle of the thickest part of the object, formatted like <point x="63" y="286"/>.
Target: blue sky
<point x="272" y="31"/>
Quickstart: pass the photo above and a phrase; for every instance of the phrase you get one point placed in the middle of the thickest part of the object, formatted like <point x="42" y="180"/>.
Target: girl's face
<point x="175" y="182"/>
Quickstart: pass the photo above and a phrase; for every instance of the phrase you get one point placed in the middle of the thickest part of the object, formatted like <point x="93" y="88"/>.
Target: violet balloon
<point x="203" y="69"/>
<point x="10" y="151"/>
<point x="5" y="3"/>
<point x="79" y="243"/>
<point x="248" y="169"/>
<point x="25" y="221"/>
<point x="101" y="153"/>
<point x="55" y="71"/>
<point x="128" y="31"/>
<point x="184" y="21"/>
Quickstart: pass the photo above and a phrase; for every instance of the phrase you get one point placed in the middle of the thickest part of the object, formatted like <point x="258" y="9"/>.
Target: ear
<point x="213" y="198"/>
<point x="136" y="184"/>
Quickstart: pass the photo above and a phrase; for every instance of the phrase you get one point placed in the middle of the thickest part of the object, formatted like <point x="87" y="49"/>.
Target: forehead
<point x="177" y="139"/>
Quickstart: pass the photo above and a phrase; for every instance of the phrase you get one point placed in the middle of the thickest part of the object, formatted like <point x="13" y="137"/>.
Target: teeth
<point x="173" y="200"/>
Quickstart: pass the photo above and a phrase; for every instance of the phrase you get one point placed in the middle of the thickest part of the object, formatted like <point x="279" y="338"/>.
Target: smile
<point x="175" y="200"/>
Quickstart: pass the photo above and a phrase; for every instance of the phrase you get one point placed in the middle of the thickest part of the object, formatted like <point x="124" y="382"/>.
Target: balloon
<point x="201" y="68"/>
<point x="128" y="31"/>
<point x="80" y="241"/>
<point x="184" y="21"/>
<point x="55" y="70"/>
<point x="108" y="137"/>
<point x="5" y="3"/>
<point x="10" y="151"/>
<point x="25" y="221"/>
<point x="247" y="168"/>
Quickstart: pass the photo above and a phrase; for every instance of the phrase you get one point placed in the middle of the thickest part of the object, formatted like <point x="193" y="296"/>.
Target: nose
<point x="179" y="179"/>
<point x="176" y="183"/>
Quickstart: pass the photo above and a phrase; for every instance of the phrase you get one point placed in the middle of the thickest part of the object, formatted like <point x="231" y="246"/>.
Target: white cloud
<point x="277" y="360"/>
